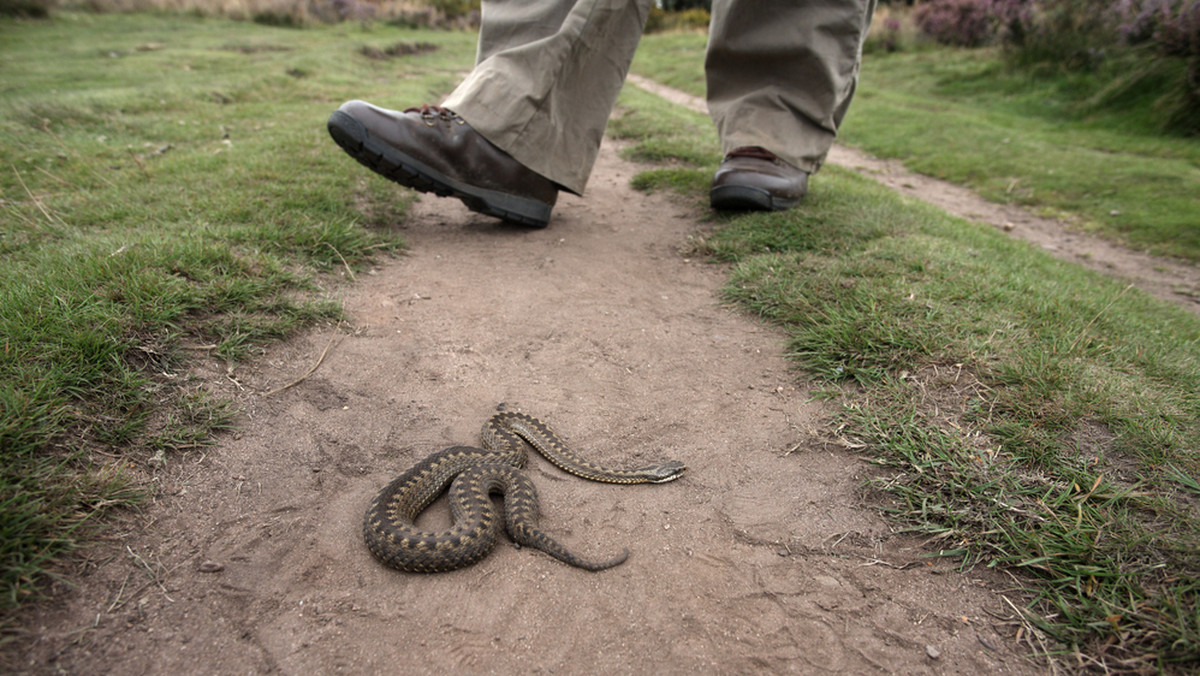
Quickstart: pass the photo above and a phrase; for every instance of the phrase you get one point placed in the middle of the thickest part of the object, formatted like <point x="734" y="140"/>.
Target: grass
<point x="169" y="193"/>
<point x="963" y="116"/>
<point x="168" y="184"/>
<point x="1027" y="414"/>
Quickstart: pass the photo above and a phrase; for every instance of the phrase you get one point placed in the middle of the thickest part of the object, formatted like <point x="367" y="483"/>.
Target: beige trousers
<point x="780" y="75"/>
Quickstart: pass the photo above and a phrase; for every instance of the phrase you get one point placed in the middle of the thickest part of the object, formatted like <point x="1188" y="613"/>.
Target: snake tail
<point x="521" y="522"/>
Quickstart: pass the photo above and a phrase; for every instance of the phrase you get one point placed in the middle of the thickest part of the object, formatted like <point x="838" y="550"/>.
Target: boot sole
<point x="394" y="165"/>
<point x="743" y="198"/>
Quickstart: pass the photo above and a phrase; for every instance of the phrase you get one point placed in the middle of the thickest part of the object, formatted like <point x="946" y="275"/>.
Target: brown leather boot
<point x="754" y="179"/>
<point x="434" y="150"/>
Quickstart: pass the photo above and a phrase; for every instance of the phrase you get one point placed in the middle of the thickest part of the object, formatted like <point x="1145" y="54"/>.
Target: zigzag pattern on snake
<point x="473" y="474"/>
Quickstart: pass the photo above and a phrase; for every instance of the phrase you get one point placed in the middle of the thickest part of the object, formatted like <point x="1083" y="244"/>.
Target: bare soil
<point x="767" y="556"/>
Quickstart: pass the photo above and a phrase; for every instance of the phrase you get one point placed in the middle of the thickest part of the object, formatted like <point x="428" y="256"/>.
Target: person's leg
<point x="547" y="79"/>
<point x="780" y="74"/>
<point x="527" y="121"/>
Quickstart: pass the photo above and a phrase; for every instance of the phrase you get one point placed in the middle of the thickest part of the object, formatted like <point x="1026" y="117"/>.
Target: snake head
<point x="664" y="472"/>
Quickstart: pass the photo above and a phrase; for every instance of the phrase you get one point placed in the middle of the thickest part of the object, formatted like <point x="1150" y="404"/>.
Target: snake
<point x="473" y="474"/>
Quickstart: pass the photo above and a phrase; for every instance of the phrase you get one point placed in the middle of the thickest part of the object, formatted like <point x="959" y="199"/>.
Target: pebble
<point x="211" y="567"/>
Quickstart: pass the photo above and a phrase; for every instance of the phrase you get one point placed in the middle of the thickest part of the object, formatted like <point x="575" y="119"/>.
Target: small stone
<point x="211" y="567"/>
<point x="932" y="652"/>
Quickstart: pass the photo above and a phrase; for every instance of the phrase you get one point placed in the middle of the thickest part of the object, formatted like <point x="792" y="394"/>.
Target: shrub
<point x="1165" y="31"/>
<point x="352" y="10"/>
<point x="37" y="9"/>
<point x="453" y="9"/>
<point x="892" y="30"/>
<point x="1074" y="34"/>
<point x="963" y="23"/>
<point x="1013" y="19"/>
<point x="1172" y="26"/>
<point x="1148" y="49"/>
<point x="661" y="21"/>
<point x="888" y="39"/>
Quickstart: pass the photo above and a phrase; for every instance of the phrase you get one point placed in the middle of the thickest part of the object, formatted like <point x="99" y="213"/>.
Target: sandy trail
<point x="761" y="559"/>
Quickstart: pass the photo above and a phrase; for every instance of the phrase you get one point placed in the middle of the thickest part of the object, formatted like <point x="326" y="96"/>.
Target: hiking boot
<point x="432" y="149"/>
<point x="754" y="179"/>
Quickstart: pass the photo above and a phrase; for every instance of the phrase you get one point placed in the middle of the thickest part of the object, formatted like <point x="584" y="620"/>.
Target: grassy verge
<point x="960" y="115"/>
<point x="169" y="190"/>
<point x="1030" y="415"/>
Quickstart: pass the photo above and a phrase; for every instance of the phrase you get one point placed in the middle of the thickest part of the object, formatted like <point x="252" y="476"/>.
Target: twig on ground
<point x="314" y="367"/>
<point x="117" y="602"/>
<point x="889" y="564"/>
<point x="232" y="378"/>
<point x="839" y="540"/>
<point x="154" y="574"/>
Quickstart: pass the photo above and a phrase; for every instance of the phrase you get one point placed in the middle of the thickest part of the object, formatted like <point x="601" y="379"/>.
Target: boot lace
<point x="431" y="114"/>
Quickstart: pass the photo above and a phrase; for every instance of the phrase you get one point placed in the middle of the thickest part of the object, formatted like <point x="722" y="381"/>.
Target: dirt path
<point x="1173" y="281"/>
<point x="761" y="559"/>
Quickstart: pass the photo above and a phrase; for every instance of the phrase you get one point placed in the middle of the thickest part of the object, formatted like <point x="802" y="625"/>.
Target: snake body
<point x="472" y="475"/>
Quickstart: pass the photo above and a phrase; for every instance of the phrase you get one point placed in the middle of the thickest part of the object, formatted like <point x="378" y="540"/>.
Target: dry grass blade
<point x="36" y="202"/>
<point x="314" y="366"/>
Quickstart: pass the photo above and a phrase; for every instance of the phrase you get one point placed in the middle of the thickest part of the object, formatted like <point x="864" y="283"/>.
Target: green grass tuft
<point x="168" y="184"/>
<point x="1056" y="142"/>
<point x="672" y="135"/>
<point x="1032" y="415"/>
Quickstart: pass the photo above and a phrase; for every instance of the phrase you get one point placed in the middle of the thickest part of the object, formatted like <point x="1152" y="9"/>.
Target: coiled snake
<point x="472" y="475"/>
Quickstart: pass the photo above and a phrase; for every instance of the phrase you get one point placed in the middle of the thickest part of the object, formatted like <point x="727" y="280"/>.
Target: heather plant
<point x="352" y="10"/>
<point x="1013" y="19"/>
<point x="890" y="41"/>
<point x="27" y="8"/>
<point x="893" y="29"/>
<point x="1075" y="34"/>
<point x="289" y="13"/>
<point x="962" y="23"/>
<point x="454" y="8"/>
<point x="662" y="20"/>
<point x="1163" y="41"/>
<point x="1140" y="52"/>
<point x="884" y="36"/>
